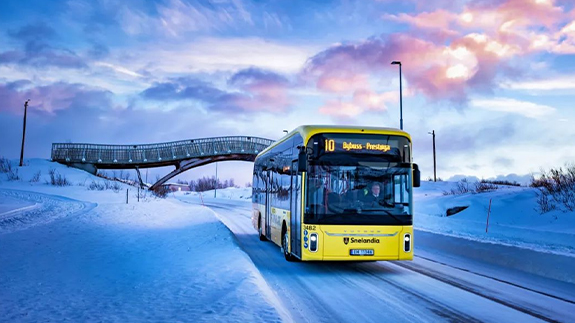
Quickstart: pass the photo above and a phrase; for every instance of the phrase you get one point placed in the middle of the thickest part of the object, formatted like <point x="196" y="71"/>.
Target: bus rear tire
<point x="260" y="231"/>
<point x="285" y="242"/>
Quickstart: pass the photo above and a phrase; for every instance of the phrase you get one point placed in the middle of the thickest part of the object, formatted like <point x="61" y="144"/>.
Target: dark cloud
<point x="37" y="52"/>
<point x="253" y="75"/>
<point x="99" y="50"/>
<point x="33" y="32"/>
<point x="259" y="91"/>
<point x="40" y="55"/>
<point x="182" y="89"/>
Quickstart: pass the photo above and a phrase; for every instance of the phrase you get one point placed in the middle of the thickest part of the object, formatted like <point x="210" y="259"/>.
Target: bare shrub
<point x="112" y="185"/>
<point x="5" y="165"/>
<point x="161" y="191"/>
<point x="556" y="189"/>
<point x="96" y="186"/>
<point x="485" y="186"/>
<point x="56" y="179"/>
<point x="36" y="177"/>
<point x="544" y="203"/>
<point x="6" y="168"/>
<point x="105" y="185"/>
<point x="500" y="182"/>
<point x="461" y="187"/>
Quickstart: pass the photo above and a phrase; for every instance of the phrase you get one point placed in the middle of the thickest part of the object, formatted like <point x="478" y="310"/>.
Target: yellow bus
<point x="337" y="193"/>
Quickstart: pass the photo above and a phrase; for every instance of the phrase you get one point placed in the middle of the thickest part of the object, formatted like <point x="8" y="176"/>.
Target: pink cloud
<point x="50" y="98"/>
<point x="464" y="53"/>
<point x="361" y="101"/>
<point x="374" y="101"/>
<point x="341" y="82"/>
<point x="440" y="20"/>
<point x="262" y="89"/>
<point x="339" y="108"/>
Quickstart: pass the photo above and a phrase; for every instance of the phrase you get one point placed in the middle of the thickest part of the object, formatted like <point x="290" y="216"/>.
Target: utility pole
<point x="216" y="188"/>
<point x="24" y="133"/>
<point x="434" y="164"/>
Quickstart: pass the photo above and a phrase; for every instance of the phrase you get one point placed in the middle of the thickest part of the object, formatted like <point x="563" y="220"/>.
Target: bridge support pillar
<point x="90" y="168"/>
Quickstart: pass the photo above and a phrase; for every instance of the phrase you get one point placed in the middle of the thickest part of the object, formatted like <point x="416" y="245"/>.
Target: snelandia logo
<point x="346" y="240"/>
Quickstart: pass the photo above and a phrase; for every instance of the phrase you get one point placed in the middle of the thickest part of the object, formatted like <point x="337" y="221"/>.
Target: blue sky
<point x="493" y="78"/>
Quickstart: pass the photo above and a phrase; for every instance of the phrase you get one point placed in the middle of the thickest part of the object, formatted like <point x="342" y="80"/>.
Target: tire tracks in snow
<point x="461" y="284"/>
<point x="47" y="208"/>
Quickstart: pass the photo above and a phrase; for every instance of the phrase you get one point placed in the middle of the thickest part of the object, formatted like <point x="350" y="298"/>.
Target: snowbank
<point x="513" y="218"/>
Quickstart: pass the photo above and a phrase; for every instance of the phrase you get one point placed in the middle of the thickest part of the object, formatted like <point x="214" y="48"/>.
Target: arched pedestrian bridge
<point x="183" y="154"/>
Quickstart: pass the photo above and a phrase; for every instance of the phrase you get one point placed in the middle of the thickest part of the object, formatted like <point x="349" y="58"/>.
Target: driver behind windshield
<point x="374" y="196"/>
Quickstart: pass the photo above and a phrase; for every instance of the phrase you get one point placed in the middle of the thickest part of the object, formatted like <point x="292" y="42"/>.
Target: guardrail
<point x="156" y="154"/>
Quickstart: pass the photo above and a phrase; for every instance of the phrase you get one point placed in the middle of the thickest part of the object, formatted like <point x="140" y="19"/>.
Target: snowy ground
<point x="74" y="254"/>
<point x="513" y="219"/>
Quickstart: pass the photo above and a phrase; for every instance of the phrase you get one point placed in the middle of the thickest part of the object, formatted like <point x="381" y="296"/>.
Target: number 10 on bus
<point x="329" y="145"/>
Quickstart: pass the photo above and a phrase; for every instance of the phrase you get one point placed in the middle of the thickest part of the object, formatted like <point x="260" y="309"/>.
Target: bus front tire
<point x="260" y="231"/>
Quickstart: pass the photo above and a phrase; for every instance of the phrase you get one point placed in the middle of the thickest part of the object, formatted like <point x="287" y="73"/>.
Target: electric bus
<point x="337" y="193"/>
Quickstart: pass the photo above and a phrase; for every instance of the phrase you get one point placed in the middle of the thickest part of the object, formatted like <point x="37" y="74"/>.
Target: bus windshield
<point x="369" y="192"/>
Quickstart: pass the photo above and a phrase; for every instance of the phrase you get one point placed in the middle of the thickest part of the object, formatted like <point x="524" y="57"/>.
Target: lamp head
<point x="396" y="63"/>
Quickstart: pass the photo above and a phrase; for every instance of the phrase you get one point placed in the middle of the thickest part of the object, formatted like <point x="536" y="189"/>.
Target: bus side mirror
<point x="302" y="161"/>
<point x="416" y="176"/>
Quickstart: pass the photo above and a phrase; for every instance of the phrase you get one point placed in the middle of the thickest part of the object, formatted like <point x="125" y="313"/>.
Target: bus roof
<point x="307" y="131"/>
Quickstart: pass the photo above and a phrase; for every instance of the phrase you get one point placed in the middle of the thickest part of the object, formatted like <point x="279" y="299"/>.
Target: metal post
<point x="434" y="163"/>
<point x="216" y="188"/>
<point x="126" y="196"/>
<point x="24" y="133"/>
<point x="488" y="213"/>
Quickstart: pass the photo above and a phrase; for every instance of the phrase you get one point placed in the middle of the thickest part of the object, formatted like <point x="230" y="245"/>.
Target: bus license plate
<point x="361" y="252"/>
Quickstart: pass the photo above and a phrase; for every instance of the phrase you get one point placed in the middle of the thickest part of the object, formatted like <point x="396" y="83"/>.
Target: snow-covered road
<point x="436" y="286"/>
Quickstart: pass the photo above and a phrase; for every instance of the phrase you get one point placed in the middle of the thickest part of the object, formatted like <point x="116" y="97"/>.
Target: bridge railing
<point x="157" y="153"/>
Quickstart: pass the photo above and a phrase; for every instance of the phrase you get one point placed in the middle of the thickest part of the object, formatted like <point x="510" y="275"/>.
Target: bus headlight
<point x="407" y="242"/>
<point x="313" y="242"/>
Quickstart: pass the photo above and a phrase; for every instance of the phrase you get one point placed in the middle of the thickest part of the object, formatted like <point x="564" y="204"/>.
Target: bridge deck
<point x="156" y="155"/>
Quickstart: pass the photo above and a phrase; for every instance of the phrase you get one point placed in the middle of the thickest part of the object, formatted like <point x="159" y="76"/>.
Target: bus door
<point x="295" y="211"/>
<point x="268" y="232"/>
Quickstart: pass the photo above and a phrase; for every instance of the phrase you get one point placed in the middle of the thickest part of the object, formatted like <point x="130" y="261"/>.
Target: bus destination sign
<point x="356" y="145"/>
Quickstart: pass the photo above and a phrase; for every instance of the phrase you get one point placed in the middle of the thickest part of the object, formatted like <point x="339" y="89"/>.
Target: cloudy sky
<point x="495" y="79"/>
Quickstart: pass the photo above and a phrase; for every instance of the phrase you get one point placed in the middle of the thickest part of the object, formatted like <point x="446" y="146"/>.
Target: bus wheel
<point x="262" y="236"/>
<point x="285" y="243"/>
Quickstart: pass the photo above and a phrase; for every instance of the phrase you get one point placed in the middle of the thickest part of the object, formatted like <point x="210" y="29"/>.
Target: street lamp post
<point x="400" y="96"/>
<point x="23" y="133"/>
<point x="434" y="167"/>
